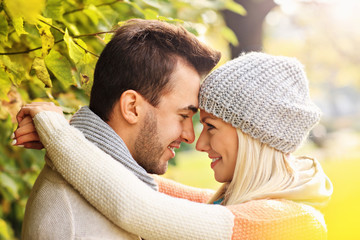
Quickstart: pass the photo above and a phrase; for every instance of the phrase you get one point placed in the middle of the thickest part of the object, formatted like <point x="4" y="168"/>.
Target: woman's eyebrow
<point x="206" y="117"/>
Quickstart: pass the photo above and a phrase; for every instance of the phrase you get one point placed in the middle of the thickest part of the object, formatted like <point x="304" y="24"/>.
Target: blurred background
<point x="48" y="50"/>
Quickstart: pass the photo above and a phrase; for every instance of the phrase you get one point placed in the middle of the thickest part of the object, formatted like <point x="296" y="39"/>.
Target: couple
<point x="255" y="112"/>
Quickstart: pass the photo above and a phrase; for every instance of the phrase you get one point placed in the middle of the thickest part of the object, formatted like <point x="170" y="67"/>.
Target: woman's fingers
<point x="33" y="108"/>
<point x="26" y="120"/>
<point x="34" y="145"/>
<point x="26" y="135"/>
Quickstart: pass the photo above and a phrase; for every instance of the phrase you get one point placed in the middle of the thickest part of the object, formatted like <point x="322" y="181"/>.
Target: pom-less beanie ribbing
<point x="264" y="96"/>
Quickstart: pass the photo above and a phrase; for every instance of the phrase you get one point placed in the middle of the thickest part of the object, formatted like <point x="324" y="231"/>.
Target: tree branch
<point x="86" y="51"/>
<point x="92" y="34"/>
<point x="77" y="36"/>
<point x="27" y="51"/>
<point x="99" y="5"/>
<point x="54" y="27"/>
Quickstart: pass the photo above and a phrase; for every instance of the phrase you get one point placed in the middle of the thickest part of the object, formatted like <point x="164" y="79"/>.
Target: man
<point x="144" y="95"/>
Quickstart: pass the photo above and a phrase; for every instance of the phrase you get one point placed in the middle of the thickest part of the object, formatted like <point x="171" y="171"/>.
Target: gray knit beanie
<point x="264" y="96"/>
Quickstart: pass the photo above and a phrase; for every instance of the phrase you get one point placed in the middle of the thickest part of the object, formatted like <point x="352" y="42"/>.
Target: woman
<point x="256" y="110"/>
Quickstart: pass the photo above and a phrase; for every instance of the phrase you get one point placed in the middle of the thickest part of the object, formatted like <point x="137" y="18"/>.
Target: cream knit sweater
<point x="56" y="211"/>
<point x="135" y="207"/>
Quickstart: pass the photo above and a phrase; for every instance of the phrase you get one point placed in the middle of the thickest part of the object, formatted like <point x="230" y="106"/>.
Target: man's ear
<point x="131" y="104"/>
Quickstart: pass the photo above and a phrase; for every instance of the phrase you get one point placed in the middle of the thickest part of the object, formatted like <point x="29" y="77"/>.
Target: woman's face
<point x="220" y="141"/>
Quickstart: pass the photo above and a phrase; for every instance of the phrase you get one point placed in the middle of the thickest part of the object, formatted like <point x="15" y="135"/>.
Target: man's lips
<point x="172" y="147"/>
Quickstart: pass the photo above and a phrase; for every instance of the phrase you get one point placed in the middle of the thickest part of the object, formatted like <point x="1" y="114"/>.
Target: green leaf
<point x="9" y="184"/>
<point x="60" y="67"/>
<point x="136" y="6"/>
<point x="108" y="37"/>
<point x="153" y="3"/>
<point x="93" y="13"/>
<point x="3" y="28"/>
<point x="5" y="84"/>
<point x="108" y="15"/>
<point x="15" y="72"/>
<point x="72" y="27"/>
<point x="76" y="53"/>
<point x="86" y="72"/>
<point x="235" y="7"/>
<point x="170" y="20"/>
<point x="229" y="35"/>
<point x="150" y="14"/>
<point x="54" y="9"/>
<point x="41" y="71"/>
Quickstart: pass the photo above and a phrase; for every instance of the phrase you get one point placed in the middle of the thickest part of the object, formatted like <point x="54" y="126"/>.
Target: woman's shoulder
<point x="283" y="219"/>
<point x="273" y="208"/>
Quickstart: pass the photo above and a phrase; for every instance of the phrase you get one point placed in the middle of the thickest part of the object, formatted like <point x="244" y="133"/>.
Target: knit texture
<point x="175" y="189"/>
<point x="262" y="219"/>
<point x="104" y="137"/>
<point x="135" y="207"/>
<point x="265" y="96"/>
<point x="277" y="220"/>
<point x="56" y="211"/>
<point x="98" y="179"/>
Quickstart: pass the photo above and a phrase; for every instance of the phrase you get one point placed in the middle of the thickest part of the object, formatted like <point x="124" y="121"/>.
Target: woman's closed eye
<point x="209" y="126"/>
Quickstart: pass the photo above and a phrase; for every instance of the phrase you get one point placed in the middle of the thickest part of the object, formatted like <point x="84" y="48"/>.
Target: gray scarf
<point x="104" y="137"/>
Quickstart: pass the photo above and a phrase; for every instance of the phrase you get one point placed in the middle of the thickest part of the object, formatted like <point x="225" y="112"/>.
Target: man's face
<point x="170" y="123"/>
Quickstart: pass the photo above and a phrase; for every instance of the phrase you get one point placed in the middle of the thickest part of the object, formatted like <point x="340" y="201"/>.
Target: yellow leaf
<point x="47" y="39"/>
<point x="107" y="37"/>
<point x="18" y="24"/>
<point x="29" y="10"/>
<point x="235" y="7"/>
<point x="229" y="35"/>
<point x="41" y="71"/>
<point x="4" y="229"/>
<point x="5" y="84"/>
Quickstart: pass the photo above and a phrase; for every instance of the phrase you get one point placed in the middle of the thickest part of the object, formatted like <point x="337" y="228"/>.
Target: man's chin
<point x="162" y="168"/>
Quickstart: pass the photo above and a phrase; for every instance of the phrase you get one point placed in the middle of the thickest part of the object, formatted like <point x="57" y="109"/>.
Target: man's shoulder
<point x="47" y="212"/>
<point x="49" y="194"/>
<point x="56" y="209"/>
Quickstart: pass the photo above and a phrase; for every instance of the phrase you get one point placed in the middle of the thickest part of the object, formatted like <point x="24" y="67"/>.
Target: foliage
<point x="48" y="50"/>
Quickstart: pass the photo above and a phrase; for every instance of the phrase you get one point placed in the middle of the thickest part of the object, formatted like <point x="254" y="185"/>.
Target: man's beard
<point x="148" y="148"/>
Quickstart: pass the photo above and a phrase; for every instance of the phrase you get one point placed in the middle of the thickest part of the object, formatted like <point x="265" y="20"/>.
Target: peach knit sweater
<point x="133" y="206"/>
<point x="259" y="219"/>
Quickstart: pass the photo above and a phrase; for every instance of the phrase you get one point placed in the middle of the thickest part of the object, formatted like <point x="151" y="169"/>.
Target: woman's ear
<point x="131" y="103"/>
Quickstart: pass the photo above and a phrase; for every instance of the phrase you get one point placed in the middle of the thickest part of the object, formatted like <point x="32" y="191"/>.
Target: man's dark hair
<point x="141" y="56"/>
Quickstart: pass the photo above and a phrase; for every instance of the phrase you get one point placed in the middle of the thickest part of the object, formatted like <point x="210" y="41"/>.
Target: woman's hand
<point x="26" y="135"/>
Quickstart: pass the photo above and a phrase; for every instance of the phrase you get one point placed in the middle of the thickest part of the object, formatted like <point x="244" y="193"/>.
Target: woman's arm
<point x="179" y="190"/>
<point x="120" y="196"/>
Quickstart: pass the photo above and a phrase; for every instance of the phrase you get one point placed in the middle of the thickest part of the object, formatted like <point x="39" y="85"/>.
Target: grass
<point x="341" y="213"/>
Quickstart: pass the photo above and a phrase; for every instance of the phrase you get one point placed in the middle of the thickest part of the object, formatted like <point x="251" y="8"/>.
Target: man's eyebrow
<point x="191" y="108"/>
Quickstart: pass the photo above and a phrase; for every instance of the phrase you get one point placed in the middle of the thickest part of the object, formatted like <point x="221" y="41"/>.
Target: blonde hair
<point x="260" y="170"/>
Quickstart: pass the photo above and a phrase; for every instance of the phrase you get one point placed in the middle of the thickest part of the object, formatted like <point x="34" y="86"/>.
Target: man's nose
<point x="188" y="134"/>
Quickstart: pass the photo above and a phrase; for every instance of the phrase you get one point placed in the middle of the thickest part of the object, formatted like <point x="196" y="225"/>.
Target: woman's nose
<point x="202" y="143"/>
